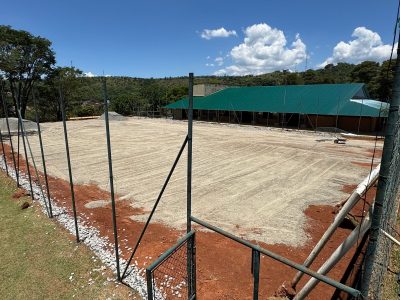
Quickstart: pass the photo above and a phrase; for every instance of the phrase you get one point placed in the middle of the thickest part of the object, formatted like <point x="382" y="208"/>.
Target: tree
<point x="24" y="59"/>
<point x="66" y="78"/>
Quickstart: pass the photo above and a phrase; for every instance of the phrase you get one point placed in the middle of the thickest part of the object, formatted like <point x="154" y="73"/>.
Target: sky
<point x="166" y="38"/>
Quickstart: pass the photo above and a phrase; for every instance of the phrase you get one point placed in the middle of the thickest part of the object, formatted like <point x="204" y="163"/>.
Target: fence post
<point x="71" y="183"/>
<point x="4" y="152"/>
<point x="9" y="133"/>
<point x="149" y="279"/>
<point x="42" y="153"/>
<point x="256" y="272"/>
<point x="110" y="170"/>
<point x="382" y="197"/>
<point x="189" y="184"/>
<point x="25" y="151"/>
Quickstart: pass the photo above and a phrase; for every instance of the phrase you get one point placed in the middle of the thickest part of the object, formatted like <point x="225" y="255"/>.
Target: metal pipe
<point x="43" y="157"/>
<point x="155" y="205"/>
<point x="190" y="155"/>
<point x="25" y="151"/>
<point x="23" y="130"/>
<point x="110" y="170"/>
<point x="4" y="152"/>
<point x="189" y="183"/>
<point x="9" y="134"/>
<point x="349" y="242"/>
<point x="18" y="144"/>
<point x="256" y="273"/>
<point x="359" y="192"/>
<point x="71" y="183"/>
<point x="281" y="259"/>
<point x="390" y="237"/>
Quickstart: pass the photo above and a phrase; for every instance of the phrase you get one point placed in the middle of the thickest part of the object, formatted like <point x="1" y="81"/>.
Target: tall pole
<point x="190" y="246"/>
<point x="24" y="146"/>
<point x="71" y="183"/>
<point x="9" y="133"/>
<point x="110" y="170"/>
<point x="42" y="153"/>
<point x="4" y="152"/>
<point x="381" y="196"/>
<point x="189" y="162"/>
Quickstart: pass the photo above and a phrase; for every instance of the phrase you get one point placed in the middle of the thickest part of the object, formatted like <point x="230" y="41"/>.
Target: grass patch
<point x="40" y="259"/>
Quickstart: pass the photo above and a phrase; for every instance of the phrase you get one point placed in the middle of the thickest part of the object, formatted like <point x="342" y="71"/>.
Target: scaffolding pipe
<point x="349" y="242"/>
<point x="359" y="192"/>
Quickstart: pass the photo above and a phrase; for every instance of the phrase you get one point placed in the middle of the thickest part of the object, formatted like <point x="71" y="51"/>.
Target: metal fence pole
<point x="4" y="152"/>
<point x="9" y="134"/>
<point x="149" y="279"/>
<point x="189" y="183"/>
<point x="110" y="170"/>
<point x="256" y="272"/>
<point x="384" y="179"/>
<point x="42" y="153"/>
<point x="71" y="183"/>
<point x="25" y="151"/>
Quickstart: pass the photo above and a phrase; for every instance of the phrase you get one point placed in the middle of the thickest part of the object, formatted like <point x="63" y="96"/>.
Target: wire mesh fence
<point x="388" y="219"/>
<point x="172" y="276"/>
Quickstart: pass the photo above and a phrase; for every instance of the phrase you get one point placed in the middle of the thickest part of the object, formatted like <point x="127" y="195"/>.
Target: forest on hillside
<point x="28" y="75"/>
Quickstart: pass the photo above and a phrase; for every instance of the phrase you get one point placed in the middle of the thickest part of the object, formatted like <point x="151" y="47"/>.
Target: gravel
<point x="89" y="235"/>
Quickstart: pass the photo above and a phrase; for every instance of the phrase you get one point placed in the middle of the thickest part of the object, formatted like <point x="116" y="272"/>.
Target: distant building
<point x="342" y="106"/>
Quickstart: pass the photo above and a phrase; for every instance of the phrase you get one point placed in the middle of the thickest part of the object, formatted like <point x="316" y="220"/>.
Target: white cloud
<point x="219" y="60"/>
<point x="209" y="65"/>
<point x="264" y="50"/>
<point x="208" y="34"/>
<point x="365" y="45"/>
<point x="89" y="74"/>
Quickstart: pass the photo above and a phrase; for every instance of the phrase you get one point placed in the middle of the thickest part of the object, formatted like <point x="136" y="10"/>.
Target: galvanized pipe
<point x="71" y="183"/>
<point x="357" y="194"/>
<point x="281" y="259"/>
<point x="349" y="242"/>
<point x="110" y="170"/>
<point x="43" y="157"/>
<point x="155" y="205"/>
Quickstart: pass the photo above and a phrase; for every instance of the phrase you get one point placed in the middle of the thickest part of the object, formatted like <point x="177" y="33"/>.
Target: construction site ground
<point x="274" y="187"/>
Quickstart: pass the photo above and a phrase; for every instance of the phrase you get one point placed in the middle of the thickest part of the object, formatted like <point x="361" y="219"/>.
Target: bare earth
<point x="252" y="181"/>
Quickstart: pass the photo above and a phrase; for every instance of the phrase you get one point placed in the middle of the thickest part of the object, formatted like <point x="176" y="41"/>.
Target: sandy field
<point x="252" y="181"/>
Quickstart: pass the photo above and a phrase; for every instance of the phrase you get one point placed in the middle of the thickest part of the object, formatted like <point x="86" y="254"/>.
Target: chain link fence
<point x="172" y="275"/>
<point x="388" y="219"/>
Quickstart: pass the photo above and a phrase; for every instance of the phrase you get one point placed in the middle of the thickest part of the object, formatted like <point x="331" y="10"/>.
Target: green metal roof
<point x="323" y="99"/>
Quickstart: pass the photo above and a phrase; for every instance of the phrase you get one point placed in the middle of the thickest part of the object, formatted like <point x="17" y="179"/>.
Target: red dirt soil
<point x="223" y="266"/>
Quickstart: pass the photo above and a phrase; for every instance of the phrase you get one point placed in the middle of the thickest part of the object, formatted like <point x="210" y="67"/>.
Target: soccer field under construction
<point x="255" y="182"/>
<point x="276" y="188"/>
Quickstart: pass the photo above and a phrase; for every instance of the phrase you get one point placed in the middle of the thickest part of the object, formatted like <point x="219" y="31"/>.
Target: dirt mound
<point x="113" y="116"/>
<point x="29" y="126"/>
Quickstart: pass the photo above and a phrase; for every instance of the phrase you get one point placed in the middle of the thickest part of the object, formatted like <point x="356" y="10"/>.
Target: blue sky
<point x="163" y="38"/>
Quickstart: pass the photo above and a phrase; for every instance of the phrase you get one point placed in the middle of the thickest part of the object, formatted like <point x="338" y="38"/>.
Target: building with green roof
<point x="344" y="106"/>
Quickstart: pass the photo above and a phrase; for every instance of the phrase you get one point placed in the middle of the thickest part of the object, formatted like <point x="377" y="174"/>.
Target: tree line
<point x="29" y="76"/>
